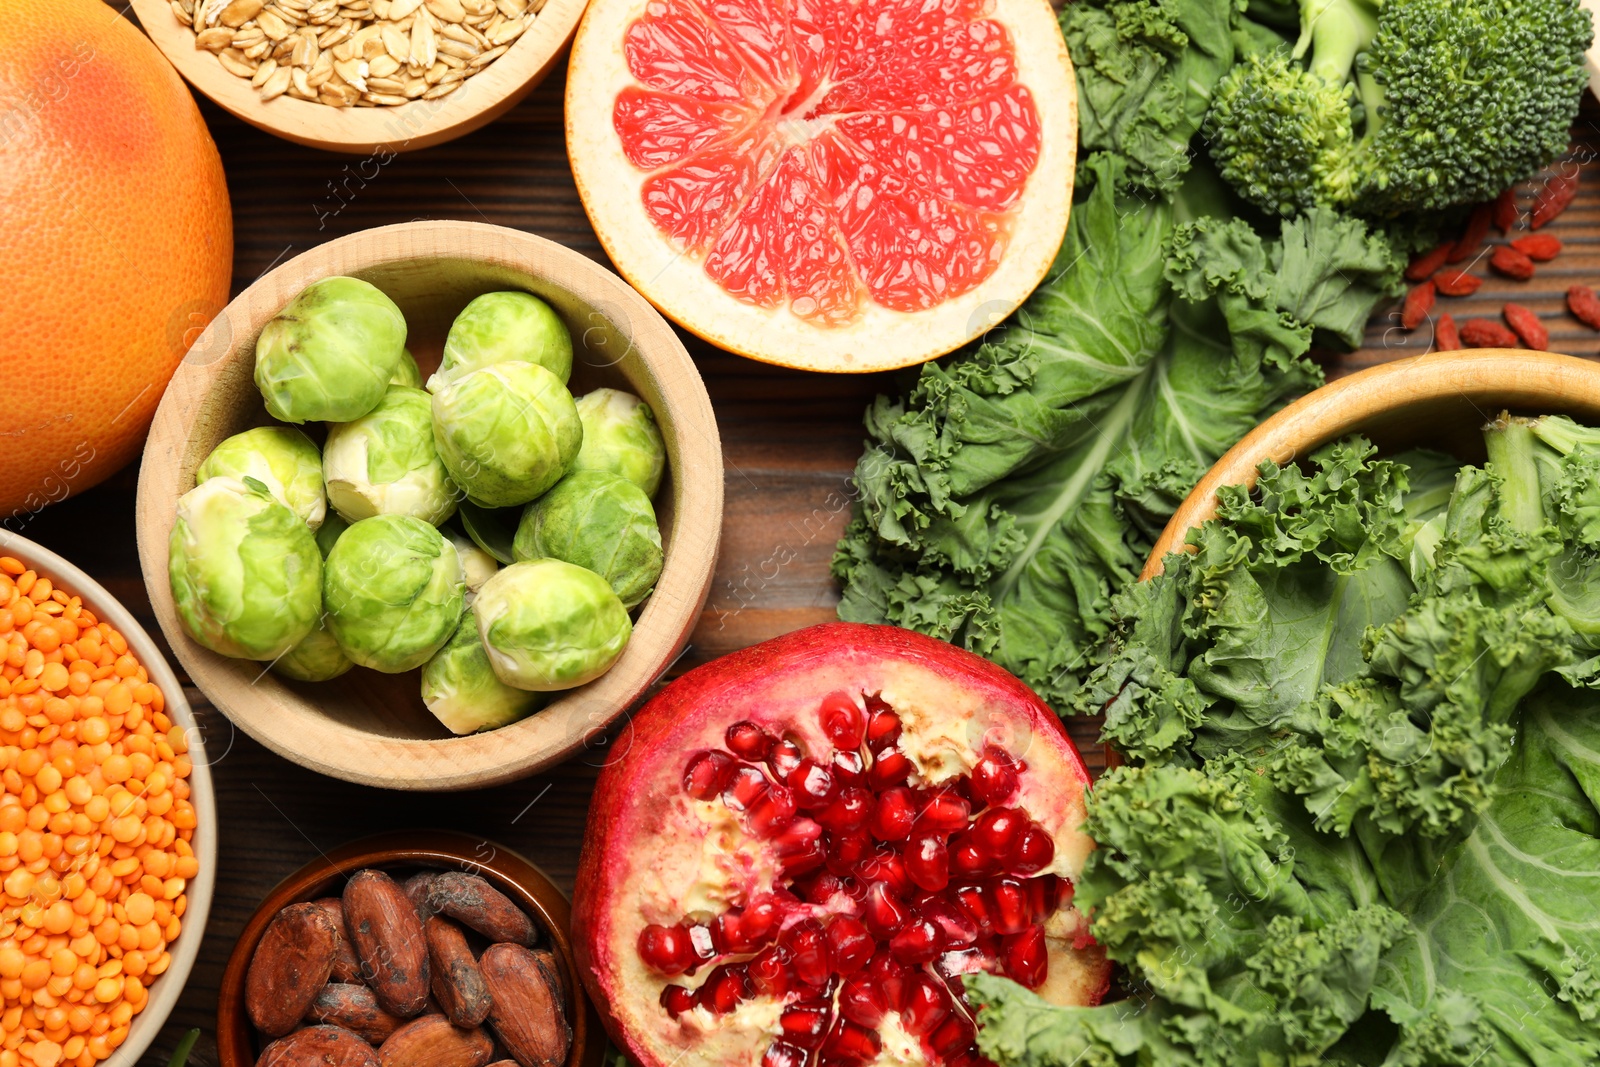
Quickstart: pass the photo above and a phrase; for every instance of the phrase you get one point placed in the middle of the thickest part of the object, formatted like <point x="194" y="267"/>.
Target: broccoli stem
<point x="1511" y="445"/>
<point x="1335" y="32"/>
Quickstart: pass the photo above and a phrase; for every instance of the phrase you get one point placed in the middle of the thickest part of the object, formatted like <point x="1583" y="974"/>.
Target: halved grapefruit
<point x="841" y="185"/>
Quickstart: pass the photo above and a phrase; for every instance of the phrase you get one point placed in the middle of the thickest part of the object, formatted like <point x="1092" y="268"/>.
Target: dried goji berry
<point x="1542" y="247"/>
<point x="1554" y="198"/>
<point x="1506" y="211"/>
<point x="1528" y="327"/>
<point x="1511" y="263"/>
<point x="1486" y="333"/>
<point x="1419" y="301"/>
<point x="1446" y="338"/>
<point x="1477" y="233"/>
<point x="1457" y="283"/>
<point x="1584" y="305"/>
<point x="1427" y="265"/>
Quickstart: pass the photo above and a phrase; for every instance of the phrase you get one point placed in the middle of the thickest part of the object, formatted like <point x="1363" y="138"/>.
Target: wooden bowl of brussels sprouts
<point x="443" y="587"/>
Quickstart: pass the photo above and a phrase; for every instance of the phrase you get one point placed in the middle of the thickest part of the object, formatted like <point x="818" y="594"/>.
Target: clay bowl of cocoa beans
<point x="415" y="949"/>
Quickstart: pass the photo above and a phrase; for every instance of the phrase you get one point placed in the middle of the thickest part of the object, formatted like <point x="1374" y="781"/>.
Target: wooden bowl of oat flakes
<point x="363" y="76"/>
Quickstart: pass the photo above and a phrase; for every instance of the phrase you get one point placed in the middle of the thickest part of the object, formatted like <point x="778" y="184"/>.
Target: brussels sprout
<point x="477" y="566"/>
<point x="506" y="433"/>
<point x="549" y="625"/>
<point x="245" y="572"/>
<point x="384" y="463"/>
<point x="280" y="458"/>
<point x="620" y="435"/>
<point x="317" y="658"/>
<point x="329" y="355"/>
<point x="501" y="328"/>
<point x="329" y="532"/>
<point x="408" y="373"/>
<point x="393" y="591"/>
<point x="461" y="689"/>
<point x="600" y="522"/>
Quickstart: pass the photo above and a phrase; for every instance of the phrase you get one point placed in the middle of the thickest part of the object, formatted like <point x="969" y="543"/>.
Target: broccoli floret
<point x="1389" y="106"/>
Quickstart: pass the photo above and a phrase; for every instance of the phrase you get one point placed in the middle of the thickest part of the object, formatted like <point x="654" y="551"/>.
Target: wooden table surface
<point x="790" y="441"/>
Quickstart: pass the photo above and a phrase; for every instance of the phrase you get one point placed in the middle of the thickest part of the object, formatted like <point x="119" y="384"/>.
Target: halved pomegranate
<point x="806" y="844"/>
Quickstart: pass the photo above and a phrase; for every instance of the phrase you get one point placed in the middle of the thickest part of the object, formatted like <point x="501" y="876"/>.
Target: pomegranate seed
<point x="708" y="774"/>
<point x="769" y="971"/>
<point x="1025" y="957"/>
<point x="850" y="810"/>
<point x="883" y="725"/>
<point x="667" y="949"/>
<point x="850" y="1044"/>
<point x="890" y="977"/>
<point x="803" y="860"/>
<point x="1032" y="851"/>
<point x="890" y="767"/>
<point x="893" y="815"/>
<point x="861" y="1001"/>
<point x="820" y="888"/>
<point x="994" y="777"/>
<point x="956" y="927"/>
<point x="1044" y="896"/>
<point x="808" y="952"/>
<point x="783" y="1054"/>
<point x="953" y="1036"/>
<point x="724" y="988"/>
<point x="885" y="865"/>
<point x="677" y="999"/>
<point x="975" y="902"/>
<point x="884" y="914"/>
<point x="806" y="1024"/>
<point x="700" y="940"/>
<point x="927" y="1004"/>
<point x="849" y="943"/>
<point x="968" y="860"/>
<point x="785" y="757"/>
<point x="772" y="812"/>
<point x="997" y="829"/>
<point x="813" y="785"/>
<point x="759" y="922"/>
<point x="928" y="862"/>
<point x="747" y="786"/>
<point x="917" y="942"/>
<point x="1011" y="912"/>
<point x="797" y="836"/>
<point x="945" y="812"/>
<point x="849" y="768"/>
<point x="725" y="932"/>
<point x="847" y="850"/>
<point x="749" y="741"/>
<point x="843" y="720"/>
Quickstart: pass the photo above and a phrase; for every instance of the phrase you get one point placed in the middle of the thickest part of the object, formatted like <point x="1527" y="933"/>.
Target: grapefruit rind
<point x="879" y="338"/>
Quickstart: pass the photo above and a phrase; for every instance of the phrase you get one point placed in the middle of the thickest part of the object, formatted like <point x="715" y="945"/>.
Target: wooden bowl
<point x="513" y="875"/>
<point x="165" y="990"/>
<point x="373" y="728"/>
<point x="1441" y="400"/>
<point x="481" y="99"/>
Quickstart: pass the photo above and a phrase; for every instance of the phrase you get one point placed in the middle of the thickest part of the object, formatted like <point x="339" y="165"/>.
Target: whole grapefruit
<point x="118" y="243"/>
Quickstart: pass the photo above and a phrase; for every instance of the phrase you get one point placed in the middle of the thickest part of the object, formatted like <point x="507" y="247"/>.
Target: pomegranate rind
<point x="879" y="338"/>
<point x="641" y="842"/>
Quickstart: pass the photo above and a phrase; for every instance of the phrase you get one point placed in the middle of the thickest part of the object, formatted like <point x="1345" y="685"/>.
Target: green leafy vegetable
<point x="1362" y="823"/>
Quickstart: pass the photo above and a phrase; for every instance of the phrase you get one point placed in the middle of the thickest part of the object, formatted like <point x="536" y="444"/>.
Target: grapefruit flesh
<point x="120" y="239"/>
<point x="836" y="184"/>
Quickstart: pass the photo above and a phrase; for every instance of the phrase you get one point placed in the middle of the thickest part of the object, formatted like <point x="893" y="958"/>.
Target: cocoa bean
<point x="319" y="1046"/>
<point x="356" y="1008"/>
<point x="417" y="887"/>
<point x="457" y="983"/>
<point x="290" y="966"/>
<point x="387" y="934"/>
<point x="432" y="1041"/>
<point x="346" y="968"/>
<point x="472" y="901"/>
<point x="527" y="1014"/>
